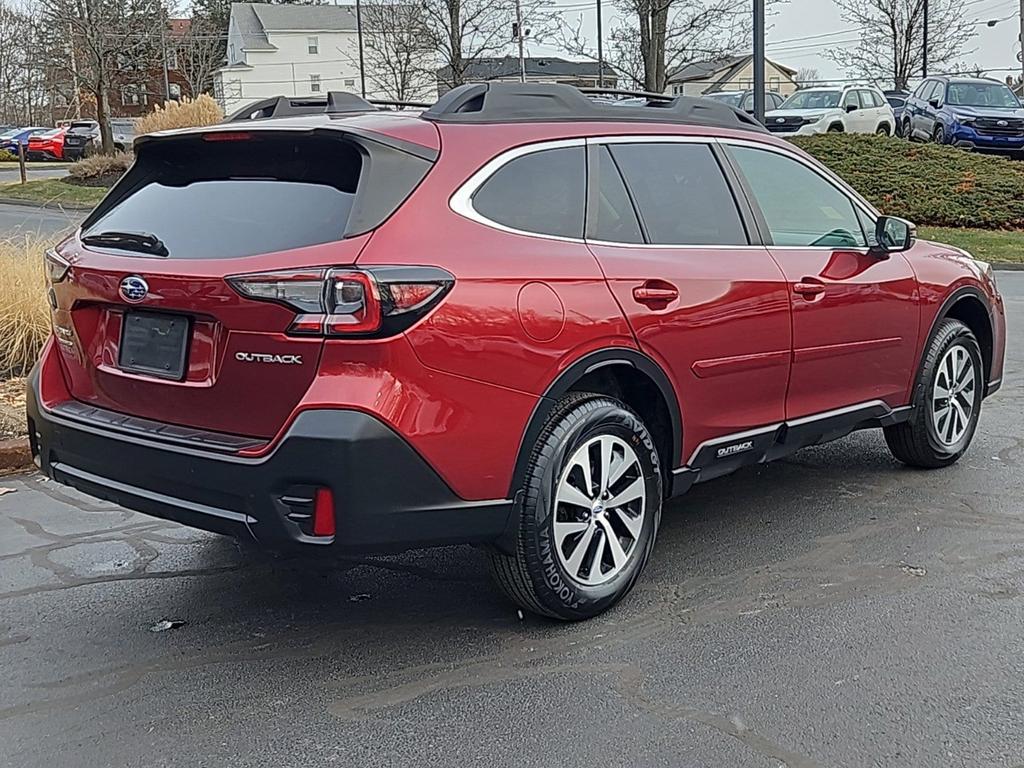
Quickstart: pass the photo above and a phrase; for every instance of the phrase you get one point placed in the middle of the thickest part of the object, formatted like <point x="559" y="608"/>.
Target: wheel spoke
<point x="570" y="494"/>
<point x="614" y="547"/>
<point x="583" y="462"/>
<point x="633" y="524"/>
<point x="967" y="380"/>
<point x="582" y="546"/>
<point x="563" y="530"/>
<point x="606" y="462"/>
<point x="951" y="425"/>
<point x="631" y="492"/>
<point x="595" y="564"/>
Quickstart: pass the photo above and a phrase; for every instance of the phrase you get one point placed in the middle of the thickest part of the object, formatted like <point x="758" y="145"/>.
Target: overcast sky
<point x="796" y="20"/>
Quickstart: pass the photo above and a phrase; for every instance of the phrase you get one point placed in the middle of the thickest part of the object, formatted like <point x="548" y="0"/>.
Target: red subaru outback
<point x="521" y="319"/>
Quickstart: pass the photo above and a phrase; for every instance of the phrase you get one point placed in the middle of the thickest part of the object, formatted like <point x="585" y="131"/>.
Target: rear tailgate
<point x="160" y="332"/>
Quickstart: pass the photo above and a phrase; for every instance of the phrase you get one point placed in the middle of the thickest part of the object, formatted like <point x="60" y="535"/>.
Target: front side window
<point x="851" y="100"/>
<point x="543" y="192"/>
<point x="681" y="194"/>
<point x="800" y="206"/>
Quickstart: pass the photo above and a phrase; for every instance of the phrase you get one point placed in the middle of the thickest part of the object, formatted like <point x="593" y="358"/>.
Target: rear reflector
<point x="323" y="513"/>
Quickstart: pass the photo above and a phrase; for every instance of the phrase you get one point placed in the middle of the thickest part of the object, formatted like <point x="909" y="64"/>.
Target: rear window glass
<point x="542" y="192"/>
<point x="225" y="199"/>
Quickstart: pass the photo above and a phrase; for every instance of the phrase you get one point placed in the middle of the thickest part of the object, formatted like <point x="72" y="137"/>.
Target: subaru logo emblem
<point x="780" y="119"/>
<point x="134" y="289"/>
<point x="1002" y="123"/>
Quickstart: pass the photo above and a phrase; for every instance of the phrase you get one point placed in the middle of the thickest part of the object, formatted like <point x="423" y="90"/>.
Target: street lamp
<point x="759" y="60"/>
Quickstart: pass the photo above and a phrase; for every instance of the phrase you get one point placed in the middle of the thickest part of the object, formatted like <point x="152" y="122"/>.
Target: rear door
<point x="704" y="300"/>
<point x="855" y="315"/>
<point x="149" y="320"/>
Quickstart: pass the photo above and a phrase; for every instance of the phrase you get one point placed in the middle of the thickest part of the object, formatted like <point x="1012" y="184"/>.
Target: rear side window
<point x="225" y="199"/>
<point x="681" y="193"/>
<point x="613" y="218"/>
<point x="542" y="192"/>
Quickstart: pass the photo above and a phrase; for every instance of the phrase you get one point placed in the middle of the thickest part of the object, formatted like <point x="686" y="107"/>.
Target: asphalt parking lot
<point x="834" y="609"/>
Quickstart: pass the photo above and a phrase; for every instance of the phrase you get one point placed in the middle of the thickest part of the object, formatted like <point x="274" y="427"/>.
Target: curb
<point x="46" y="205"/>
<point x="15" y="455"/>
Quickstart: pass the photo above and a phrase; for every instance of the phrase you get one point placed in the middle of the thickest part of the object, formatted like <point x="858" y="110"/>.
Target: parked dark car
<point x="81" y="140"/>
<point x="898" y="101"/>
<point x="745" y="100"/>
<point x="974" y="113"/>
<point x="10" y="140"/>
<point x="519" y="319"/>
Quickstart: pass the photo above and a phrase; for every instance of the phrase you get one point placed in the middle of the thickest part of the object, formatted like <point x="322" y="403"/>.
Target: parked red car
<point x="46" y="146"/>
<point x="521" y="319"/>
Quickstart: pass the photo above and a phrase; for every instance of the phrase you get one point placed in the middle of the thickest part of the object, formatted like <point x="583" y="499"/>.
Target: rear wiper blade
<point x="143" y="242"/>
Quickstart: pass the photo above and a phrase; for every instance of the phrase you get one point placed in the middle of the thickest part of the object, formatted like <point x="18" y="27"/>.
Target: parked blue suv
<point x="974" y="113"/>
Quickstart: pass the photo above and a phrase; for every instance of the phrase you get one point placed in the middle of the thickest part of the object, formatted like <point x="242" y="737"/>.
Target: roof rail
<point x="549" y="102"/>
<point x="334" y="103"/>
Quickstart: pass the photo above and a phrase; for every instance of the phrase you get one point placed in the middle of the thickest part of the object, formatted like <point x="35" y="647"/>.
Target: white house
<point x="297" y="50"/>
<point x="732" y="73"/>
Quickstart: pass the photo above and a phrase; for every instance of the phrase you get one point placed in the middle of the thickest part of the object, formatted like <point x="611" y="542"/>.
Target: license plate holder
<point x="155" y="344"/>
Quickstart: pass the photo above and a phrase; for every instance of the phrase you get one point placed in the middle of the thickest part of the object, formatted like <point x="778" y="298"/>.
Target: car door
<point x="852" y="112"/>
<point x="855" y="315"/>
<point x="865" y="117"/>
<point x="929" y="111"/>
<point x="707" y="302"/>
<point x="916" y="108"/>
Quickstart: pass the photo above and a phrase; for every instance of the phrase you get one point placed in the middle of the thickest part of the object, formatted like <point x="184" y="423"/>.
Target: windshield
<point x="813" y="100"/>
<point x="732" y="99"/>
<point x="995" y="95"/>
<point x="10" y="134"/>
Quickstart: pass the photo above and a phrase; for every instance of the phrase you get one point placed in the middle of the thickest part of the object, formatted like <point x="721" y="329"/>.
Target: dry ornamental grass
<point x="187" y="113"/>
<point x="23" y="307"/>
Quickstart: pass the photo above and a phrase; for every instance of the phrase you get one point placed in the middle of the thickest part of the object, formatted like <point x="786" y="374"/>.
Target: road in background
<point x="17" y="221"/>
<point x="831" y="609"/>
<point x="9" y="174"/>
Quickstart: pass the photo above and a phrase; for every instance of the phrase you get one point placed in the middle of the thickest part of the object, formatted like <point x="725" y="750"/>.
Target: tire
<point x="549" y="539"/>
<point x="835" y="128"/>
<point x="930" y="440"/>
<point x="939" y="135"/>
<point x="883" y="130"/>
<point x="908" y="132"/>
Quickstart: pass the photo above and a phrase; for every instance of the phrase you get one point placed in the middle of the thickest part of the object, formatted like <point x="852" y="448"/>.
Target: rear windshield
<point x="225" y="199"/>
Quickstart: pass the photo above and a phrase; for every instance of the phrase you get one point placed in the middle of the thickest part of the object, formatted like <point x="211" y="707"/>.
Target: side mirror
<point x="892" y="235"/>
<point x="851" y="107"/>
<point x="934" y="103"/>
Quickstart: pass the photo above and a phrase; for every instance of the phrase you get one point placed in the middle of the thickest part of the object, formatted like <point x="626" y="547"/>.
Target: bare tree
<point x="200" y="54"/>
<point x="399" y="57"/>
<point x="892" y="37"/>
<point x="656" y="38"/>
<point x="806" y="76"/>
<point x="107" y="37"/>
<point x="461" y="32"/>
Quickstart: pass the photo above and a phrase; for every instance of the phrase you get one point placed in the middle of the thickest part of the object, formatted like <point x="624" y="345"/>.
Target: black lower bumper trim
<point x="387" y="498"/>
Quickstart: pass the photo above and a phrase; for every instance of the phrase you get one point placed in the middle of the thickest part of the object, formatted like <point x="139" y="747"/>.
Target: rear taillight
<point x="376" y="302"/>
<point x="57" y="267"/>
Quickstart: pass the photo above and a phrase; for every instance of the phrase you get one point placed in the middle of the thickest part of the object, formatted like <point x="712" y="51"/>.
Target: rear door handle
<point x="655" y="292"/>
<point x="808" y="288"/>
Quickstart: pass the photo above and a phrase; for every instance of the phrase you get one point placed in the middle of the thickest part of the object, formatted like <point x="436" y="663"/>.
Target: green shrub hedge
<point x="928" y="184"/>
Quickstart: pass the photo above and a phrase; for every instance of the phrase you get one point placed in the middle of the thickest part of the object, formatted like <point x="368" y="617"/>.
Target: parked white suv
<point x="850" y="109"/>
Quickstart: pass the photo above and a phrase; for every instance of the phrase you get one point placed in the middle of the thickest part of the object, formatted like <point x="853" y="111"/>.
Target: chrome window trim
<point x="461" y="201"/>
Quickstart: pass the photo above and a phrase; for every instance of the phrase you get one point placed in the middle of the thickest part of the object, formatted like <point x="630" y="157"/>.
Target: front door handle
<point x="656" y="293"/>
<point x="808" y="288"/>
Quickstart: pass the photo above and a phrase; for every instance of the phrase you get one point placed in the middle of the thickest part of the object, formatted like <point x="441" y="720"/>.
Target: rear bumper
<point x="387" y="498"/>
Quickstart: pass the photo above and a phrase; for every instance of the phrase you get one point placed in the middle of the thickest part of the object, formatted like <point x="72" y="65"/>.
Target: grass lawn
<point x="994" y="246"/>
<point x="53" y="191"/>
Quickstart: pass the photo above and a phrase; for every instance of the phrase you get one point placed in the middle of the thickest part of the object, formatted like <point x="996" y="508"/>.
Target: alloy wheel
<point x="953" y="395"/>
<point x="600" y="504"/>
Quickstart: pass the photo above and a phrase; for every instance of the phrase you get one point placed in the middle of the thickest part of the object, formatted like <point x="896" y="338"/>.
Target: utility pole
<point x="1022" y="47"/>
<point x="600" y="46"/>
<point x="924" y="64"/>
<point x="519" y="35"/>
<point x="362" y="62"/>
<point x="163" y="55"/>
<point x="759" y="60"/>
